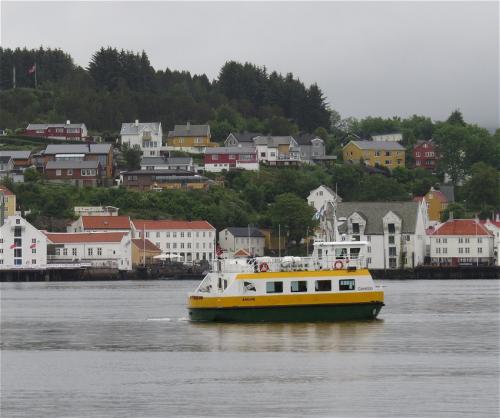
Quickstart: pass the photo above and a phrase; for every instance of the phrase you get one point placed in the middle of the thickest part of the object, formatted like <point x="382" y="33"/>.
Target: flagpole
<point x="13" y="76"/>
<point x="35" y="75"/>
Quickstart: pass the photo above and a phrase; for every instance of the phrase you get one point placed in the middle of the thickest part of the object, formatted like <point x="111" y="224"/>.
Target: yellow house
<point x="436" y="202"/>
<point x="9" y="201"/>
<point x="382" y="153"/>
<point x="188" y="137"/>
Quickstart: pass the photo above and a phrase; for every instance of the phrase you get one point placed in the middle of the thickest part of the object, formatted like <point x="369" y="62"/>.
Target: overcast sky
<point x="369" y="58"/>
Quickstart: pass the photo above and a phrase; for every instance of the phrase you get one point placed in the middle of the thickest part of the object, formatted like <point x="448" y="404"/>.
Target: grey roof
<point x="305" y="139"/>
<point x="373" y="212"/>
<point x="53" y="149"/>
<point x="16" y="155"/>
<point x="245" y="136"/>
<point x="146" y="161"/>
<point x="33" y="126"/>
<point x="449" y="191"/>
<point x="63" y="164"/>
<point x="272" y="141"/>
<point x="5" y="159"/>
<point x="159" y="172"/>
<point x="190" y="130"/>
<point x="245" y="231"/>
<point x="133" y="129"/>
<point x="378" y="145"/>
<point x="231" y="150"/>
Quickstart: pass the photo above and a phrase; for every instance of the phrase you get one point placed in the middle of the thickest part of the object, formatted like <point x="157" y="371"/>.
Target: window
<point x="355" y="228"/>
<point x="298" y="286"/>
<point x="65" y="251"/>
<point x="33" y="240"/>
<point x="460" y="250"/>
<point x="438" y="250"/>
<point x="58" y="251"/>
<point x="467" y="250"/>
<point x="479" y="250"/>
<point x="347" y="284"/>
<point x="33" y="261"/>
<point x="445" y="240"/>
<point x="58" y="172"/>
<point x="323" y="285"/>
<point x="189" y="234"/>
<point x="157" y="235"/>
<point x="467" y="240"/>
<point x="73" y="251"/>
<point x="99" y="251"/>
<point x="1" y="250"/>
<point x="17" y="242"/>
<point x="391" y="228"/>
<point x="18" y="252"/>
<point x="479" y="240"/>
<point x="174" y="234"/>
<point x="182" y="234"/>
<point x="69" y="171"/>
<point x="460" y="240"/>
<point x="392" y="251"/>
<point x="90" y="251"/>
<point x="274" y="287"/>
<point x="17" y="231"/>
<point x="147" y="234"/>
<point x="445" y="250"/>
<point x="391" y="239"/>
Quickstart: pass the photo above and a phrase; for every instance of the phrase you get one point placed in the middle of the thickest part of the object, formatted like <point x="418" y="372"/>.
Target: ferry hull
<point x="309" y="313"/>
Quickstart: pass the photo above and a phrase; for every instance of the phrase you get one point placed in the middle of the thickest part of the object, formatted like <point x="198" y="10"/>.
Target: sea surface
<point x="126" y="349"/>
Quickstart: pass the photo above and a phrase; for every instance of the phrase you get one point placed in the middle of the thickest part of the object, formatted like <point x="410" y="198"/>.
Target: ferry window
<point x="355" y="252"/>
<point x="274" y="287"/>
<point x="347" y="284"/>
<point x="249" y="286"/>
<point x="340" y="252"/>
<point x="323" y="285"/>
<point x="298" y="286"/>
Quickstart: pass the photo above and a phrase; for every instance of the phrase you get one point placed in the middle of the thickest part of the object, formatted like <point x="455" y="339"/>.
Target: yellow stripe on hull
<point x="249" y="301"/>
<point x="301" y="274"/>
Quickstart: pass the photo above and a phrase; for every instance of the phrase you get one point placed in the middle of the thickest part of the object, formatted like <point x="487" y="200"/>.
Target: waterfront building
<point x="22" y="246"/>
<point x="426" y="155"/>
<point x="146" y="135"/>
<point x="190" y="138"/>
<point x="375" y="153"/>
<point x="143" y="252"/>
<point x="462" y="242"/>
<point x="103" y="153"/>
<point x="75" y="172"/>
<point x="242" y="240"/>
<point x="217" y="159"/>
<point x="101" y="223"/>
<point x="390" y="137"/>
<point x="164" y="179"/>
<point x="320" y="196"/>
<point x="277" y="150"/>
<point x="96" y="211"/>
<point x="189" y="240"/>
<point x="111" y="250"/>
<point x="394" y="230"/>
<point x="64" y="131"/>
<point x="167" y="163"/>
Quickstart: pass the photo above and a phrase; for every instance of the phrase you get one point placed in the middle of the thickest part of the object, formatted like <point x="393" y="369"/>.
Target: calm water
<point x="125" y="349"/>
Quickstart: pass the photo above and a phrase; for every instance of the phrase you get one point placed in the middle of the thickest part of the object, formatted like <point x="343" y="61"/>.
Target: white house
<point x="277" y="150"/>
<point x="462" y="242"/>
<point x="392" y="137"/>
<point x="493" y="225"/>
<point x="189" y="240"/>
<point x="170" y="163"/>
<point x="395" y="231"/>
<point x="320" y="196"/>
<point x="96" y="211"/>
<point x="249" y="239"/>
<point x="22" y="246"/>
<point x="101" y="249"/>
<point x="99" y="223"/>
<point x="146" y="135"/>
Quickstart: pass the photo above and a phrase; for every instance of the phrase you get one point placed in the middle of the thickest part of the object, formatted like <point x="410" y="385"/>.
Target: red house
<point x="66" y="131"/>
<point x="218" y="159"/>
<point x="77" y="173"/>
<point x="425" y="155"/>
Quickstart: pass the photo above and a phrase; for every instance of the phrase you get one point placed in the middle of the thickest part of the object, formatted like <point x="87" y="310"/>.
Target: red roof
<point x="145" y="244"/>
<point x="6" y="191"/>
<point x="78" y="237"/>
<point x="461" y="227"/>
<point x="141" y="224"/>
<point x="106" y="222"/>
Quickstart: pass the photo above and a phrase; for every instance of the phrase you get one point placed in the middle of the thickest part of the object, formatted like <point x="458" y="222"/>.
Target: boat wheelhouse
<point x="333" y="284"/>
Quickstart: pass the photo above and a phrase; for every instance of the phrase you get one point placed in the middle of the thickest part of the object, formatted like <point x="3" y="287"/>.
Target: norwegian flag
<point x="13" y="246"/>
<point x="219" y="251"/>
<point x="32" y="69"/>
<point x="33" y="245"/>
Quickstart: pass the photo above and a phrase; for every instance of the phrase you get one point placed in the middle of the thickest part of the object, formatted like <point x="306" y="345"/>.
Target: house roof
<point x="241" y="253"/>
<point x="245" y="232"/>
<point x="165" y="172"/>
<point x="377" y="145"/>
<point x="106" y="222"/>
<point x="461" y="227"/>
<point x="190" y="130"/>
<point x="439" y="195"/>
<point x="53" y="149"/>
<point x="130" y="128"/>
<point x="274" y="141"/>
<point x="449" y="191"/>
<point x="245" y="136"/>
<point x="305" y="139"/>
<point x="145" y="244"/>
<point x="329" y="190"/>
<point x="77" y="237"/>
<point x="16" y="155"/>
<point x="167" y="224"/>
<point x="63" y="164"/>
<point x="33" y="126"/>
<point x="166" y="161"/>
<point x="5" y="159"/>
<point x="373" y="213"/>
<point x="6" y="191"/>
<point x="230" y="150"/>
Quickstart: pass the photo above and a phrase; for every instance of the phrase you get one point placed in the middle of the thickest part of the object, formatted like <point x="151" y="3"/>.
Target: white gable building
<point x="146" y="135"/>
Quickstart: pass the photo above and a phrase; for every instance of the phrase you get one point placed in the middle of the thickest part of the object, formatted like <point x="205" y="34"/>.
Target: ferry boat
<point x="331" y="285"/>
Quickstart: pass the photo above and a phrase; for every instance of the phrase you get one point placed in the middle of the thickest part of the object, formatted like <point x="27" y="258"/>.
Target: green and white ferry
<point x="331" y="285"/>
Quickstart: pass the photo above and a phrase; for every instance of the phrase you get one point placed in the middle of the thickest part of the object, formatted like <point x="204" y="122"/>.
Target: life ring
<point x="339" y="265"/>
<point x="263" y="267"/>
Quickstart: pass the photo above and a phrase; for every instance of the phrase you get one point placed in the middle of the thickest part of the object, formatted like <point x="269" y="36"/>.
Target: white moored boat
<point x="333" y="284"/>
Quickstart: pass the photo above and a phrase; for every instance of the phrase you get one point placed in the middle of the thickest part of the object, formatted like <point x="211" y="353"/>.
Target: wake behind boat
<point x="331" y="285"/>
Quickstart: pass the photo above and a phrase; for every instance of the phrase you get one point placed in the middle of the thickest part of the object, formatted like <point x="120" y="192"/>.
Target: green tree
<point x="482" y="189"/>
<point x="456" y="118"/>
<point x="132" y="157"/>
<point x="31" y="175"/>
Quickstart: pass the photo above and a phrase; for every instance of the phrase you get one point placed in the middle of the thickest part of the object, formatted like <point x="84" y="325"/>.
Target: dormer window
<point x="391" y="228"/>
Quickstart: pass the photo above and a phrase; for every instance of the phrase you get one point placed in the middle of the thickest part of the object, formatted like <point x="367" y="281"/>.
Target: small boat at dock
<point x="331" y="285"/>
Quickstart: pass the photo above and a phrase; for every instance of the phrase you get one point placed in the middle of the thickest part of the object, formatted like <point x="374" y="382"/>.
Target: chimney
<point x="450" y="216"/>
<point x="188" y="126"/>
<point x="68" y="122"/>
<point x="136" y="122"/>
